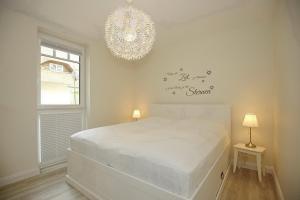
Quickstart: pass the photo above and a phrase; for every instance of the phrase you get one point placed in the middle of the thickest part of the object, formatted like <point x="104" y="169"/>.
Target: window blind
<point x="55" y="130"/>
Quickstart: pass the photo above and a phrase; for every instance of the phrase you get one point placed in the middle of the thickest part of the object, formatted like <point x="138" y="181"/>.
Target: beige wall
<point x="237" y="45"/>
<point x="18" y="140"/>
<point x="109" y="96"/>
<point x="111" y="87"/>
<point x="287" y="106"/>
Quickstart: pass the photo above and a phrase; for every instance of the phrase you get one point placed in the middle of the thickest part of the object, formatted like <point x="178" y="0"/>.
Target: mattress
<point x="172" y="154"/>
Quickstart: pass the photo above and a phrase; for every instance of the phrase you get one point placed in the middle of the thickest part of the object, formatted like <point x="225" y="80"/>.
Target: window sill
<point x="59" y="107"/>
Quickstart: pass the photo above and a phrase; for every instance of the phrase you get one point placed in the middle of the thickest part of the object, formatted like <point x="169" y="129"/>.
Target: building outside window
<point x="60" y="77"/>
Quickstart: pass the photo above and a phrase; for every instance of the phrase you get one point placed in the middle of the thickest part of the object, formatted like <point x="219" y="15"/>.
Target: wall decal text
<point x="187" y="83"/>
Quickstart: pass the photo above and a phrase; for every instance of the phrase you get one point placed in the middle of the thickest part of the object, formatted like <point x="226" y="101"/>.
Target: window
<point x="56" y="67"/>
<point x="61" y="54"/>
<point x="61" y="98"/>
<point x="60" y="76"/>
<point x="74" y="57"/>
<point x="47" y="51"/>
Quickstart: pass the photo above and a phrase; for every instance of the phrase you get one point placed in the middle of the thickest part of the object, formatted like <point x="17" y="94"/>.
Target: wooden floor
<point x="44" y="187"/>
<point x="243" y="185"/>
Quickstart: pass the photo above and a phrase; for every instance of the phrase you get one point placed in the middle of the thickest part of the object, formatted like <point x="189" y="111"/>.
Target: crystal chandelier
<point x="129" y="33"/>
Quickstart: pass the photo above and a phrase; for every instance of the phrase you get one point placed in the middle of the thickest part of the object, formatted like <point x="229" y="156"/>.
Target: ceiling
<point x="88" y="16"/>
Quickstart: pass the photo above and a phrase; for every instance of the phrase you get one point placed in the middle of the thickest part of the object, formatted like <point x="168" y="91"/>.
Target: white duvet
<point x="172" y="154"/>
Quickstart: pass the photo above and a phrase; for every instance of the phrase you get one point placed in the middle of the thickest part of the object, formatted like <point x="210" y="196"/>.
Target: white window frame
<point x="72" y="48"/>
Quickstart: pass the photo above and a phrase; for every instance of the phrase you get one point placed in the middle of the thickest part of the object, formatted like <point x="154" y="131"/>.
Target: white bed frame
<point x="98" y="181"/>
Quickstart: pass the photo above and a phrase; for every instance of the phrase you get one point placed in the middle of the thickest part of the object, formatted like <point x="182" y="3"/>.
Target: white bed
<point x="169" y="155"/>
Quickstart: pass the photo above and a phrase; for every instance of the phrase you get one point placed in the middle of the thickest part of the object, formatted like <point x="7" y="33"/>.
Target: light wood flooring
<point x="243" y="185"/>
<point x="51" y="186"/>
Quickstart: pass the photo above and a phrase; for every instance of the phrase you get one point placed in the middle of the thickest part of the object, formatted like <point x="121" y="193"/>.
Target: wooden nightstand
<point x="257" y="151"/>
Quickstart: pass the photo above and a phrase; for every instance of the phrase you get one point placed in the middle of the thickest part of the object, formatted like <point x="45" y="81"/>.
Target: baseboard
<point x="269" y="170"/>
<point x="54" y="168"/>
<point x="18" y="176"/>
<point x="86" y="192"/>
<point x="224" y="181"/>
<point x="277" y="184"/>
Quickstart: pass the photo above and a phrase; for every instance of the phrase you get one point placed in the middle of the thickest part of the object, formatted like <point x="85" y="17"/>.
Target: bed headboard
<point x="216" y="112"/>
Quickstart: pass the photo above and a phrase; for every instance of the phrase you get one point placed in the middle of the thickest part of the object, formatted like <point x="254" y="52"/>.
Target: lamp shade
<point x="136" y="114"/>
<point x="250" y="120"/>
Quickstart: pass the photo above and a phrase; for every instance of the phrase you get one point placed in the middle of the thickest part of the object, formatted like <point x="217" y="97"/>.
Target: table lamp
<point x="136" y="114"/>
<point x="250" y="121"/>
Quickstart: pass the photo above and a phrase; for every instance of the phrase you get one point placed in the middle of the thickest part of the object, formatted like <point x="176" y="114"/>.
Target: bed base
<point x="98" y="181"/>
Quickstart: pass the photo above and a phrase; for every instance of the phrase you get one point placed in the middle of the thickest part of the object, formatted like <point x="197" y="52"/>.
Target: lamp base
<point x="250" y="145"/>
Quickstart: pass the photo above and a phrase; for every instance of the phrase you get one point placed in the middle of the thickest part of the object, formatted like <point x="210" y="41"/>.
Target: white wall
<point x="287" y="105"/>
<point x="18" y="143"/>
<point x="111" y="87"/>
<point x="237" y="45"/>
<point x="109" y="99"/>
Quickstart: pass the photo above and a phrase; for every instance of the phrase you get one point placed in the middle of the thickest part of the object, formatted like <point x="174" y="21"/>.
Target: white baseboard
<point x="277" y="184"/>
<point x="19" y="176"/>
<point x="86" y="192"/>
<point x="54" y="168"/>
<point x="270" y="170"/>
<point x="29" y="173"/>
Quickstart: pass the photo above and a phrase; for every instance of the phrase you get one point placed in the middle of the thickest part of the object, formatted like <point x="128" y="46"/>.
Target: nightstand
<point x="257" y="151"/>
